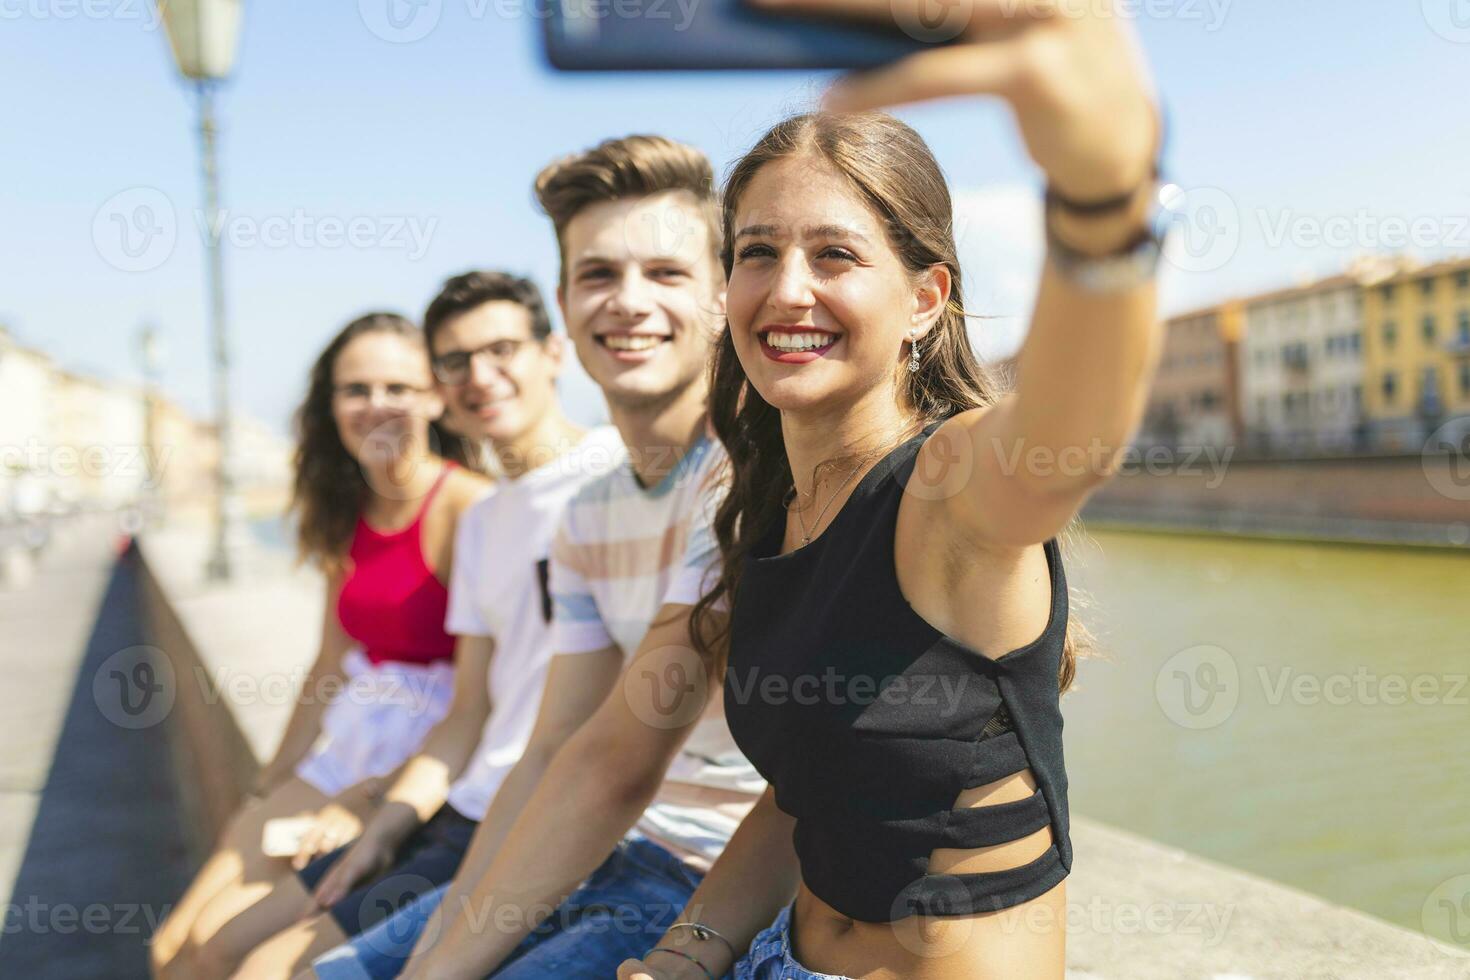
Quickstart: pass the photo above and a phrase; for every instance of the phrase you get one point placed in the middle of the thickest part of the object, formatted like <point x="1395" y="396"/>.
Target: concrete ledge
<point x="239" y="653"/>
<point x="1137" y="910"/>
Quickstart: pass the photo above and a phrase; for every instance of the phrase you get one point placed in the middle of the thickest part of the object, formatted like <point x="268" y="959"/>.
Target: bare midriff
<point x="1025" y="940"/>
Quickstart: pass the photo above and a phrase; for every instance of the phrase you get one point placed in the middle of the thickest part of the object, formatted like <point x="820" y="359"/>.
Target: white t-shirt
<point x="499" y="589"/>
<point x="622" y="553"/>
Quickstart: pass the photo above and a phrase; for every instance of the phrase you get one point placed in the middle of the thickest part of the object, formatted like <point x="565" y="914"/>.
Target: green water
<point x="1323" y="784"/>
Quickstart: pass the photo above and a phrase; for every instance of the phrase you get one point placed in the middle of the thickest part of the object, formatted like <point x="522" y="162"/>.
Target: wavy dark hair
<point x="330" y="491"/>
<point x="890" y="167"/>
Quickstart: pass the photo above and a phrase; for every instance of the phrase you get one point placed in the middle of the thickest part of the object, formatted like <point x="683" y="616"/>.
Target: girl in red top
<point x="379" y="489"/>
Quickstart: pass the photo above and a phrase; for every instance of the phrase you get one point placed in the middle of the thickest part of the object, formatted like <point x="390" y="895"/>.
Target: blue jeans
<point x="619" y="912"/>
<point x="770" y="955"/>
<point x="382" y="951"/>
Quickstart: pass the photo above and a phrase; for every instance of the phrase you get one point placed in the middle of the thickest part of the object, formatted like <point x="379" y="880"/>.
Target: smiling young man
<point x="631" y="786"/>
<point x="496" y="362"/>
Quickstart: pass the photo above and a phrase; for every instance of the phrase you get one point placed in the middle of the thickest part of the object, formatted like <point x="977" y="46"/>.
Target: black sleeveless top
<point x="868" y="722"/>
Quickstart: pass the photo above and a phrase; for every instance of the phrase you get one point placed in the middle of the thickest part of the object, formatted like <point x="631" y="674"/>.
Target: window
<point x="1390" y="385"/>
<point x="1387" y="292"/>
<point x="1357" y="396"/>
<point x="1462" y="328"/>
<point x="1427" y="327"/>
<point x="1429" y="384"/>
<point x="1426" y="287"/>
<point x="1462" y="279"/>
<point x="1465" y="377"/>
<point x="1390" y="334"/>
<point x="1357" y="337"/>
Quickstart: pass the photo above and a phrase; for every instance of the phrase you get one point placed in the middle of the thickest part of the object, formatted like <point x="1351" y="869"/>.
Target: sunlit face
<point x="643" y="295"/>
<point x="819" y="302"/>
<point x="383" y="397"/>
<point x="510" y="381"/>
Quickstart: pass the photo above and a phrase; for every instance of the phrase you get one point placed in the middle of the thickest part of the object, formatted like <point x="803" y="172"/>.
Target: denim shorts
<point x="618" y="913"/>
<point x="770" y="955"/>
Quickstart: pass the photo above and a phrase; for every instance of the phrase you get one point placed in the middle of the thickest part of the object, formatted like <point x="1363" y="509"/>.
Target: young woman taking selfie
<point x="893" y="520"/>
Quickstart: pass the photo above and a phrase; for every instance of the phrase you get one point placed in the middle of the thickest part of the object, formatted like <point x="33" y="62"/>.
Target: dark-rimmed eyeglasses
<point x="453" y="367"/>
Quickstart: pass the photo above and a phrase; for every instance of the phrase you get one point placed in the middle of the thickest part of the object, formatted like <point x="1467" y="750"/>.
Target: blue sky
<point x="1293" y="120"/>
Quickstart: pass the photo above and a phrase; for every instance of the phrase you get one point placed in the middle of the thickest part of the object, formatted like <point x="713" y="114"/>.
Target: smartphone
<point x="721" y="35"/>
<point x="281" y="837"/>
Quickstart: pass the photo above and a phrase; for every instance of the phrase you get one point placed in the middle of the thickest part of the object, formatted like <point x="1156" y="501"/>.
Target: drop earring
<point x="913" y="354"/>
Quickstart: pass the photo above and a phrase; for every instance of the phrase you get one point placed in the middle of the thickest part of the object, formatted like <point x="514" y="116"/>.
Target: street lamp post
<point x="204" y="35"/>
<point x="150" y="350"/>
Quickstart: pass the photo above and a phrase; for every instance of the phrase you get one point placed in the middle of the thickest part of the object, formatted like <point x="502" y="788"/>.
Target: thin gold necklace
<point x="806" y="536"/>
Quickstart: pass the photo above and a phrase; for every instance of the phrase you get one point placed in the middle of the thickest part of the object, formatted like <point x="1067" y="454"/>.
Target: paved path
<point x="90" y="854"/>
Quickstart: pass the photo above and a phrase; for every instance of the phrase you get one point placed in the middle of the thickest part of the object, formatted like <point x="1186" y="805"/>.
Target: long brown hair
<point x="892" y="168"/>
<point x="330" y="489"/>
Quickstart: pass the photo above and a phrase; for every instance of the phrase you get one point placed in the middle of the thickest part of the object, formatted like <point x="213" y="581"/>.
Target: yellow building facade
<point x="1416" y="354"/>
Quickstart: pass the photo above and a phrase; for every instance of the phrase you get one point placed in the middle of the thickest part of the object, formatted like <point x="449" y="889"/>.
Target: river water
<point x="1297" y="710"/>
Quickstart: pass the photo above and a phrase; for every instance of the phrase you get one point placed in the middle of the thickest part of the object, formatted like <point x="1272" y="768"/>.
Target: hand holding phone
<point x="1072" y="73"/>
<point x="281" y="837"/>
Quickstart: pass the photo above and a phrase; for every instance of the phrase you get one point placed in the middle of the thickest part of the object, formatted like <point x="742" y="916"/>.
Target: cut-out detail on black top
<point x="869" y="723"/>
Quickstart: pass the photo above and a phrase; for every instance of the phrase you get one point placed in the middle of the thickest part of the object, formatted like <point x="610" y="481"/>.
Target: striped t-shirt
<point x="623" y="552"/>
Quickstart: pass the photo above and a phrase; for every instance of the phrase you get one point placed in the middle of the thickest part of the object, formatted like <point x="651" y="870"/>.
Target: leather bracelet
<point x="1054" y="199"/>
<point x="702" y="932"/>
<point x="1091" y="209"/>
<point x="665" y="949"/>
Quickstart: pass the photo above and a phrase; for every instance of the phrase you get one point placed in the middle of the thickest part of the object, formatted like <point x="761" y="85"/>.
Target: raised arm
<point x="1014" y="473"/>
<point x="594" y="791"/>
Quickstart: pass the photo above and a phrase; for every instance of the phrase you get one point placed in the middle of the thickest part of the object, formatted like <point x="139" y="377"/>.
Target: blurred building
<point x="1195" y="397"/>
<point x="97" y="452"/>
<point x="1417" y="354"/>
<point x="71" y="441"/>
<point x="1301" y="368"/>
<point x="25" y="381"/>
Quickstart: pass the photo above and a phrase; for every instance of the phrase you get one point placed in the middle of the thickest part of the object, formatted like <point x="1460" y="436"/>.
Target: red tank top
<point x="391" y="602"/>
